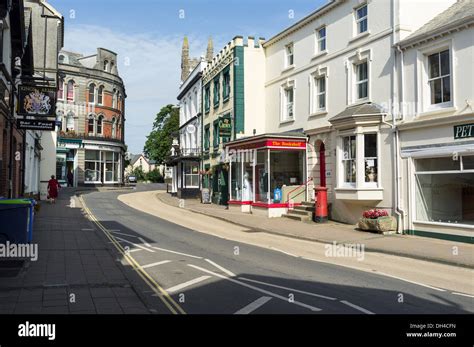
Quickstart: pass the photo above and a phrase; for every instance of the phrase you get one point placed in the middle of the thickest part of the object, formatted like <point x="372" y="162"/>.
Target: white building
<point x="437" y="126"/>
<point x="333" y="75"/>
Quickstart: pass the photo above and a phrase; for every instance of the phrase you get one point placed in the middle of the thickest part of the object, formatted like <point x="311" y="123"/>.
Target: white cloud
<point x="151" y="78"/>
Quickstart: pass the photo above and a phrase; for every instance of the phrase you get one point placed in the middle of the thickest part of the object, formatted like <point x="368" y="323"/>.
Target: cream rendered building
<point x="437" y="126"/>
<point x="333" y="76"/>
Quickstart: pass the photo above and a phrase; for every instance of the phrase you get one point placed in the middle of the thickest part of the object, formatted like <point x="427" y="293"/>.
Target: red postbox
<point x="321" y="208"/>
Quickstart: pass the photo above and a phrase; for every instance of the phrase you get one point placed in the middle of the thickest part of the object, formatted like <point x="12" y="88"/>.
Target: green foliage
<point x="159" y="141"/>
<point x="139" y="173"/>
<point x="155" y="176"/>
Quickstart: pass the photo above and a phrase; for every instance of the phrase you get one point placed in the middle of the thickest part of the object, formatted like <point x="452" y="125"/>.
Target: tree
<point x="139" y="174"/>
<point x="159" y="141"/>
<point x="155" y="176"/>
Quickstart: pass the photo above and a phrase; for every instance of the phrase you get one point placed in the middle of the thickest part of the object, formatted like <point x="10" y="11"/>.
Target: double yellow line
<point x="160" y="292"/>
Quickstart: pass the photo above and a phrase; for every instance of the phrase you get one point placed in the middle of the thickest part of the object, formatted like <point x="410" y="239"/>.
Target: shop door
<point x="224" y="187"/>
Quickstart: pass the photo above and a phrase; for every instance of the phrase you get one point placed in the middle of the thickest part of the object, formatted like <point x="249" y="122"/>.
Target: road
<point x="200" y="273"/>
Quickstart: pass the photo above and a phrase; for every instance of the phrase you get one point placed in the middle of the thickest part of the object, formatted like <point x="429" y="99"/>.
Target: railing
<point x="301" y="185"/>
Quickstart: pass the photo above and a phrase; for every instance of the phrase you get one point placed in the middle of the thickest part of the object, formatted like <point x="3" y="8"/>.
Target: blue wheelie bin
<point x="16" y="220"/>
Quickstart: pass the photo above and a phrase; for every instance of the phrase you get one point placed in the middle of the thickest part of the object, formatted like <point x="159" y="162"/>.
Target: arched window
<point x="70" y="90"/>
<point x="61" y="89"/>
<point x="70" y="122"/>
<point x="114" y="98"/>
<point x="100" y="95"/>
<point x="114" y="127"/>
<point x="119" y="103"/>
<point x="106" y="65"/>
<point x="92" y="93"/>
<point x="100" y="121"/>
<point x="90" y="125"/>
<point x="112" y="66"/>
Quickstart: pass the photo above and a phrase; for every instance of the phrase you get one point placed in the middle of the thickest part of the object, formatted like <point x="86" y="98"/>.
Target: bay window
<point x="349" y="159"/>
<point x="370" y="158"/>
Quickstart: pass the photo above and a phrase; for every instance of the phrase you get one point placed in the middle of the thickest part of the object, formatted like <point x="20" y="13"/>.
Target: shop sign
<point x="225" y="126"/>
<point x="463" y="131"/>
<point x="36" y="101"/>
<point x="286" y="144"/>
<point x="31" y="124"/>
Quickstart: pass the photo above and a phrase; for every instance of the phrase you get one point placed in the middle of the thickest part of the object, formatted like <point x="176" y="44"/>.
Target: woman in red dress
<point x="53" y="188"/>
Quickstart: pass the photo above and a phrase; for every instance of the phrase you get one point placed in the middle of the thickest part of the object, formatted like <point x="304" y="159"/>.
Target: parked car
<point x="132" y="179"/>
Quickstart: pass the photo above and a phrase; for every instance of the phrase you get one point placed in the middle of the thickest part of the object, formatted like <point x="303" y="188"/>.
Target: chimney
<point x="210" y="49"/>
<point x="185" y="59"/>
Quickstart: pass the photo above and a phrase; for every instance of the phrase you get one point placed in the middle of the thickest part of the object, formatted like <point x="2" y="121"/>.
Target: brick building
<point x="91" y="108"/>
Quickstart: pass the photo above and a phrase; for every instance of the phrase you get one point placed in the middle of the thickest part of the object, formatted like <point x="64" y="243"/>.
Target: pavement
<point x="441" y="251"/>
<point x="77" y="271"/>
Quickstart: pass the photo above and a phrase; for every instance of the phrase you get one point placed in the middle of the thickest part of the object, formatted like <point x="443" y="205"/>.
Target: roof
<point x="365" y="109"/>
<point x="459" y="12"/>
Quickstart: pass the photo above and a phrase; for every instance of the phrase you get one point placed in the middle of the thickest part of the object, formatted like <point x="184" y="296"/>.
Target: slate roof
<point x="458" y="12"/>
<point x="368" y="108"/>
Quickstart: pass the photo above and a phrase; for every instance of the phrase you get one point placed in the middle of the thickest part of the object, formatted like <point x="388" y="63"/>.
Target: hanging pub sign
<point x="225" y="126"/>
<point x="32" y="124"/>
<point x="36" y="101"/>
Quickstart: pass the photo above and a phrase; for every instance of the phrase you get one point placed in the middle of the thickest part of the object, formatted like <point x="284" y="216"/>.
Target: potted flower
<point x="377" y="220"/>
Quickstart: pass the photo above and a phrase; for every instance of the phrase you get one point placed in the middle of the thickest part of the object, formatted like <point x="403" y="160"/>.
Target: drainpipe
<point x="399" y="209"/>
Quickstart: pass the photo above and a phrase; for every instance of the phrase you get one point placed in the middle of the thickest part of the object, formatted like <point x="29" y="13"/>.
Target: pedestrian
<point x="53" y="188"/>
<point x="70" y="179"/>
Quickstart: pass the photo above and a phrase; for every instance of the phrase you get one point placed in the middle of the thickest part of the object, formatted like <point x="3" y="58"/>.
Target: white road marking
<point x="144" y="242"/>
<point x="116" y="232"/>
<point x="187" y="284"/>
<point x="281" y="251"/>
<point x="86" y="229"/>
<point x="462" y="294"/>
<point x="361" y="309"/>
<point x="290" y="289"/>
<point x="155" y="264"/>
<point x="174" y="252"/>
<point x="413" y="282"/>
<point x="135" y="250"/>
<point x="135" y="244"/>
<point x="312" y="308"/>
<point x="231" y="274"/>
<point x="254" y="305"/>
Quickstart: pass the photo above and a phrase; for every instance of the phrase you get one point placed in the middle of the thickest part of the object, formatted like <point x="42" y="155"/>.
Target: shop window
<point x="321" y="39"/>
<point x="444" y="191"/>
<point x="191" y="175"/>
<point x="262" y="173"/>
<point x="349" y="159"/>
<point x="111" y="166"/>
<point x="236" y="178"/>
<point x="439" y="77"/>
<point x="370" y="158"/>
<point x="362" y="81"/>
<point x="92" y="172"/>
<point x="289" y="55"/>
<point x="286" y="175"/>
<point x="361" y="14"/>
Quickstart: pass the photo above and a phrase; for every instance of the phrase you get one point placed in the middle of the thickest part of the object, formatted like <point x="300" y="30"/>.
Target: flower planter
<point x="380" y="225"/>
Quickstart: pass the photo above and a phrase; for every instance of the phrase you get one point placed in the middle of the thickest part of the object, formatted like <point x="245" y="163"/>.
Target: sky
<point x="147" y="35"/>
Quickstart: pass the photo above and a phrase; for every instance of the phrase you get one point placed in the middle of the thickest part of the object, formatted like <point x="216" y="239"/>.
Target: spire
<point x="185" y="59"/>
<point x="210" y="49"/>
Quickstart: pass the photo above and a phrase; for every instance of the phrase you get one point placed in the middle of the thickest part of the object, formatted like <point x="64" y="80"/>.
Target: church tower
<point x="185" y="59"/>
<point x="210" y="50"/>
